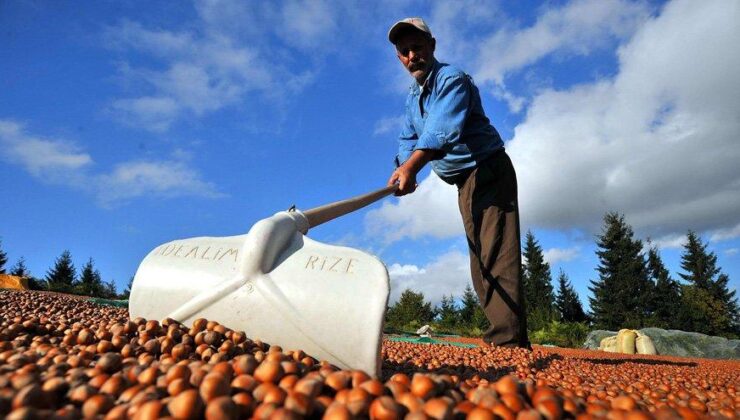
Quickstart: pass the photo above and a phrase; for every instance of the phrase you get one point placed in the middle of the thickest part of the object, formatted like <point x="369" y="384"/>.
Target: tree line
<point x="63" y="277"/>
<point x="412" y="311"/>
<point x="633" y="290"/>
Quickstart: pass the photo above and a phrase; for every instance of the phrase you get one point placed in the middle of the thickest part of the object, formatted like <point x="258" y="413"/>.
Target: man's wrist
<point x="419" y="158"/>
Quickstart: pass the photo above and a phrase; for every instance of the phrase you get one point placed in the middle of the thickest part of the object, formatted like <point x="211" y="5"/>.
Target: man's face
<point x="416" y="52"/>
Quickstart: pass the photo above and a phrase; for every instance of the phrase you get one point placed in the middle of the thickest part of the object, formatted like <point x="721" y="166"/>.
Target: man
<point x="445" y="125"/>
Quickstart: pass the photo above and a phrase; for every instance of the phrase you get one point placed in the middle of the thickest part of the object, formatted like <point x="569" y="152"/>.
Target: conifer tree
<point x="537" y="282"/>
<point x="37" y="284"/>
<point x="622" y="292"/>
<point x="567" y="302"/>
<point x="127" y="291"/>
<point x="701" y="312"/>
<point x="448" y="314"/>
<point x="471" y="313"/>
<point x="110" y="291"/>
<point x="3" y="258"/>
<point x="61" y="278"/>
<point x="20" y="269"/>
<point x="479" y="322"/>
<point x="469" y="303"/>
<point x="709" y="306"/>
<point x="91" y="283"/>
<point x="700" y="267"/>
<point x="411" y="309"/>
<point x="666" y="297"/>
<point x="727" y="297"/>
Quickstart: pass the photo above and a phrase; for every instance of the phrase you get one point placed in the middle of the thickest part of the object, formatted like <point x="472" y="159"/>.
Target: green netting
<point x="110" y="302"/>
<point x="429" y="340"/>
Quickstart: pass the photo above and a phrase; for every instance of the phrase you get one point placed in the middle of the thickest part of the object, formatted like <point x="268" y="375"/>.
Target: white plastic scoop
<point x="275" y="284"/>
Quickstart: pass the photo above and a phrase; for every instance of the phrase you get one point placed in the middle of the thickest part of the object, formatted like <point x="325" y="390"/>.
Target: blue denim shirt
<point x="445" y="114"/>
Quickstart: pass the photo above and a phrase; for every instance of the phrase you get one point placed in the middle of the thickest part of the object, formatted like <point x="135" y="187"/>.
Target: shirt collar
<point x="435" y="67"/>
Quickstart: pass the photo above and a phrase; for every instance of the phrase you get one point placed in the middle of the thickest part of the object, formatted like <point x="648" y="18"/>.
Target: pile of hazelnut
<point x="62" y="357"/>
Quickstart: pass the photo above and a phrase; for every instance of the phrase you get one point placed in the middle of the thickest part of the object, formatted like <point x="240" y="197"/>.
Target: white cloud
<point x="389" y="125"/>
<point x="154" y="113"/>
<point x="671" y="241"/>
<point x="398" y="270"/>
<point x="479" y="36"/>
<point x="459" y="27"/>
<point x="555" y="255"/>
<point x="725" y="234"/>
<point x="152" y="178"/>
<point x="447" y="274"/>
<point x="578" y="27"/>
<point x="39" y="156"/>
<point x="209" y="77"/>
<point x="158" y="42"/>
<point x="227" y="56"/>
<point x="58" y="161"/>
<point x="731" y="251"/>
<point x="307" y="23"/>
<point x="430" y="210"/>
<point x="516" y="103"/>
<point x="657" y="141"/>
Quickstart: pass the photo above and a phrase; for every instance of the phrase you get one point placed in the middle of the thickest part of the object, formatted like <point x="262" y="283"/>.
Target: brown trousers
<point x="490" y="213"/>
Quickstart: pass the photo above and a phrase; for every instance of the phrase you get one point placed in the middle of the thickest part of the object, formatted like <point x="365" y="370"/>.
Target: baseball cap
<point x="412" y="22"/>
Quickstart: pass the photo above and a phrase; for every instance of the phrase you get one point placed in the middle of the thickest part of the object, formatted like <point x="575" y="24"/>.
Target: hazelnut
<point x="422" y="386"/>
<point x="97" y="405"/>
<point x="269" y="372"/>
<point x="222" y="407"/>
<point x="337" y="411"/>
<point x="186" y="405"/>
<point x="385" y="408"/>
<point x="214" y="385"/>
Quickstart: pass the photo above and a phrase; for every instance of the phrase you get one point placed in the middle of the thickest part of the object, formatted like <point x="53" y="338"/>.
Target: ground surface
<point x="66" y="357"/>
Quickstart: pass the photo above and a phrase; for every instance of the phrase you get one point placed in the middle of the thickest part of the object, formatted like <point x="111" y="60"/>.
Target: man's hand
<point x="405" y="179"/>
<point x="405" y="175"/>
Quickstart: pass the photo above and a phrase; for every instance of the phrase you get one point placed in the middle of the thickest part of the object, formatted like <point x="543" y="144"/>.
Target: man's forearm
<point x="405" y="175"/>
<point x="418" y="159"/>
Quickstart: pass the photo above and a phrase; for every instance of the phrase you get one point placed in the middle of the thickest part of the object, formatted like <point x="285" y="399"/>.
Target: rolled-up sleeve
<point x="446" y="115"/>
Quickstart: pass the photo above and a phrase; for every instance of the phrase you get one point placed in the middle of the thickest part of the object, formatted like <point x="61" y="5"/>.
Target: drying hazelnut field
<point x="65" y="357"/>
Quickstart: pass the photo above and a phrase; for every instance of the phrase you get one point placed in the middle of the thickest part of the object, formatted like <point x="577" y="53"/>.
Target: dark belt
<point x="459" y="179"/>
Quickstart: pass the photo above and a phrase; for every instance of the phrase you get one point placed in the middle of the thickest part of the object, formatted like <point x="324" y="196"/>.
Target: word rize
<point x="330" y="264"/>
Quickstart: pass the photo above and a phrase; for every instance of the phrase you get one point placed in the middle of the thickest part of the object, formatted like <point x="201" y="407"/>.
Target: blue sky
<point x="124" y="125"/>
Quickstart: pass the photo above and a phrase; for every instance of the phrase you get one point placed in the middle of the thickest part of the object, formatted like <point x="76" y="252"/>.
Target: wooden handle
<point x="331" y="211"/>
